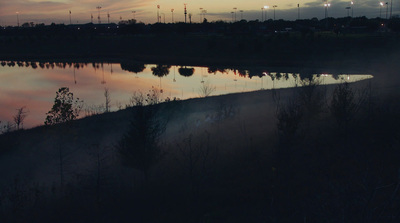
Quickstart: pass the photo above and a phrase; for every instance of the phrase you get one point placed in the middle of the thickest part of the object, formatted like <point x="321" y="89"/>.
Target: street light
<point x="235" y="12"/>
<point x="274" y="10"/>
<point x="158" y="13"/>
<point x="352" y="6"/>
<point x="185" y="12"/>
<point x="204" y="13"/>
<point x="262" y="14"/>
<point x="163" y="16"/>
<point x="134" y="12"/>
<point x="348" y="9"/>
<point x="326" y="8"/>
<point x="387" y="7"/>
<point x="241" y="14"/>
<point x="232" y="16"/>
<point x="172" y="12"/>
<point x="266" y="7"/>
<point x="380" y="9"/>
<point x="201" y="13"/>
<point x="298" y="11"/>
<point x="98" y="17"/>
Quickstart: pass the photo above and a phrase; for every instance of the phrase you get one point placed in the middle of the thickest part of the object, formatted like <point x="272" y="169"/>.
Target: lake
<point x="33" y="85"/>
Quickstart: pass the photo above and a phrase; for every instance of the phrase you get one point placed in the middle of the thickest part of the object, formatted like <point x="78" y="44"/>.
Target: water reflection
<point x="33" y="84"/>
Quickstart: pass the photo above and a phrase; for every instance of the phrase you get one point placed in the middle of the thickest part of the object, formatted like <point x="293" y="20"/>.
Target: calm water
<point x="33" y="85"/>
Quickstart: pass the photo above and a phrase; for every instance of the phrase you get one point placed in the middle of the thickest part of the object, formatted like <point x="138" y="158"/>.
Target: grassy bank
<point x="282" y="156"/>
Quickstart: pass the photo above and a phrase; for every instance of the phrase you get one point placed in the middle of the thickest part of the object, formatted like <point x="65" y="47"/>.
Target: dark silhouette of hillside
<point x="242" y="157"/>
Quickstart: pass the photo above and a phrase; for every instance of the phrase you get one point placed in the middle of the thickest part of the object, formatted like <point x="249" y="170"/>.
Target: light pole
<point x="172" y="12"/>
<point x="235" y="12"/>
<point x="266" y="12"/>
<point x="326" y="9"/>
<point x="134" y="15"/>
<point x="387" y="7"/>
<point x="163" y="16"/>
<point x="274" y="10"/>
<point x="158" y="13"/>
<point x="352" y="6"/>
<point x="108" y="17"/>
<point x="262" y="14"/>
<point x="98" y="17"/>
<point x="348" y="11"/>
<point x="298" y="11"/>
<point x="17" y="19"/>
<point x="391" y="6"/>
<point x="241" y="14"/>
<point x="380" y="9"/>
<point x="70" y="20"/>
<point x="185" y="12"/>
<point x="232" y="16"/>
<point x="204" y="14"/>
<point x="201" y="13"/>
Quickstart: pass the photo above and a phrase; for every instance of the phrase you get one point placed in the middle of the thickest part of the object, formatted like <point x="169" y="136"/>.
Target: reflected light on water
<point x="34" y="85"/>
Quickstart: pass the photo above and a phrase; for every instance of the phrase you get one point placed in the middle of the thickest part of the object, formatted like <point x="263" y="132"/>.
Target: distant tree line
<point x="243" y="27"/>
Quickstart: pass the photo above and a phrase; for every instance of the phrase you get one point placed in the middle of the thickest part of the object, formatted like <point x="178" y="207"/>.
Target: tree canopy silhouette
<point x="65" y="108"/>
<point x="161" y="70"/>
<point x="133" y="67"/>
<point x="186" y="72"/>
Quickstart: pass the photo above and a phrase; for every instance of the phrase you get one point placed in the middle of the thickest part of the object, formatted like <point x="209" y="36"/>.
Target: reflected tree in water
<point x="41" y="65"/>
<point x="34" y="65"/>
<point x="242" y="72"/>
<point x="161" y="70"/>
<point x="256" y="72"/>
<point x="214" y="70"/>
<point x="133" y="67"/>
<point x="186" y="72"/>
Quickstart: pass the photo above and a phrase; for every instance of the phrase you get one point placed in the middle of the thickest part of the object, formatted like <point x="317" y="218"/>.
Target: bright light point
<point x="381" y="3"/>
<point x="266" y="7"/>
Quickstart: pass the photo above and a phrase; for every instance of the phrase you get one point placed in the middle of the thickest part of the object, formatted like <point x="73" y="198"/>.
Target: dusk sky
<point x="57" y="11"/>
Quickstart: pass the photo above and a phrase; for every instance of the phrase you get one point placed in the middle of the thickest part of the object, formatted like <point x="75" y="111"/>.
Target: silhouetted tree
<point x="140" y="147"/>
<point x="65" y="108"/>
<point x="206" y="89"/>
<point x="20" y="117"/>
<point x="343" y="105"/>
<point x="108" y="100"/>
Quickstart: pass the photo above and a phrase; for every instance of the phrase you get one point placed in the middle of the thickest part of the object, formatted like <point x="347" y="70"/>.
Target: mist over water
<point x="33" y="84"/>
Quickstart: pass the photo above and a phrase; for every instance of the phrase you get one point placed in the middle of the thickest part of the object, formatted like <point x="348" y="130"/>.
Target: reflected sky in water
<point x="34" y="85"/>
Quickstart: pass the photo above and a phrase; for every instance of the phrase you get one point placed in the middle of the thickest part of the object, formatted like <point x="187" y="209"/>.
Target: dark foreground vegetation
<point x="309" y="154"/>
<point x="327" y="42"/>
